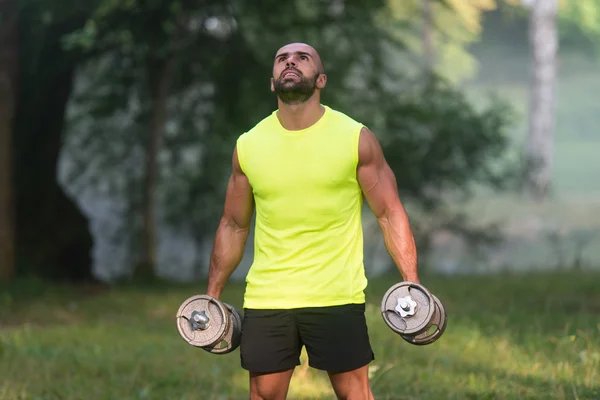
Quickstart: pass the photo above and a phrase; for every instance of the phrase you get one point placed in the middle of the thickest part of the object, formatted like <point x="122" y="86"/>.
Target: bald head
<point x="298" y="73"/>
<point x="300" y="49"/>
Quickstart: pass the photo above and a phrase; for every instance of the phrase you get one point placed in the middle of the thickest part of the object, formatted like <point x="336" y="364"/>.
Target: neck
<point x="300" y="116"/>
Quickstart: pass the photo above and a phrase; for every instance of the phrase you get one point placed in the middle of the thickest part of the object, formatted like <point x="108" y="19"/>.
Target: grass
<point x="508" y="337"/>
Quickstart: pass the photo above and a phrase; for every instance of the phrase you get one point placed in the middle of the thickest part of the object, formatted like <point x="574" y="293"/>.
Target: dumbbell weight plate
<point x="237" y="337"/>
<point x="435" y="329"/>
<point x="423" y="310"/>
<point x="231" y="339"/>
<point x="216" y="328"/>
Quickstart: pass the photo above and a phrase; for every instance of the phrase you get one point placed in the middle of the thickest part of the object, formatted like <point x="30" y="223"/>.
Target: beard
<point x="295" y="92"/>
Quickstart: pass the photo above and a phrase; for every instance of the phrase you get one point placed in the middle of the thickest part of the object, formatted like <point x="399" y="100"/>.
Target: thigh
<point x="269" y="342"/>
<point x="336" y="338"/>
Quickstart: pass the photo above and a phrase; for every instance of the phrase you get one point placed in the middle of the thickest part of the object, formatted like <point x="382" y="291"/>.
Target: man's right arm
<point x="232" y="233"/>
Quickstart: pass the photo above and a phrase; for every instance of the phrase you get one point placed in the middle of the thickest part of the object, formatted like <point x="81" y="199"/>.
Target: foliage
<point x="456" y="25"/>
<point x="579" y="21"/>
<point x="508" y="337"/>
<point x="52" y="236"/>
<point x="217" y="97"/>
<point x="223" y="57"/>
<point x="441" y="148"/>
<point x="585" y="12"/>
<point x="436" y="122"/>
<point x="210" y="104"/>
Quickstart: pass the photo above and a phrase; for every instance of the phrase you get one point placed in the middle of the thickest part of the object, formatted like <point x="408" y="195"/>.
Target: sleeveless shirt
<point x="308" y="238"/>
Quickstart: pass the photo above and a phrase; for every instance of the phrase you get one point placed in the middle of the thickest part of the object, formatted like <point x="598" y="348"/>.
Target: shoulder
<point x="250" y="140"/>
<point x="344" y="119"/>
<point x="369" y="148"/>
<point x="259" y="128"/>
<point x="347" y="128"/>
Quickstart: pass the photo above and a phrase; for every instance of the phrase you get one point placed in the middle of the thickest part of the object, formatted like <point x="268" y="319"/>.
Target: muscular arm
<point x="230" y="239"/>
<point x="379" y="186"/>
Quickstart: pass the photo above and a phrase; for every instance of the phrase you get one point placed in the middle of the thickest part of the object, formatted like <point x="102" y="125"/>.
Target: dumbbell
<point x="206" y="322"/>
<point x="413" y="312"/>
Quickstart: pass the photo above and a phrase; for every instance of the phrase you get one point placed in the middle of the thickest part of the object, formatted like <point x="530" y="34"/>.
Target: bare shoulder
<point x="369" y="148"/>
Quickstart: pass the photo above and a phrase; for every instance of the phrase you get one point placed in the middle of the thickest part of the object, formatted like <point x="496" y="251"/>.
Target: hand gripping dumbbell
<point x="206" y="322"/>
<point x="413" y="312"/>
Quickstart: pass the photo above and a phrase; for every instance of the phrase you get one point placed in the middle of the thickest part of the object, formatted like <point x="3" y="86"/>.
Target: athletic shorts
<point x="336" y="338"/>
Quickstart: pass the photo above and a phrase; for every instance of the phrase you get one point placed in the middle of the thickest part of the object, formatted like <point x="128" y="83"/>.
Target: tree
<point x="447" y="28"/>
<point x="213" y="98"/>
<point x="52" y="234"/>
<point x="428" y="46"/>
<point x="581" y="18"/>
<point x="549" y="22"/>
<point x="152" y="39"/>
<point x="543" y="39"/>
<point x="9" y="54"/>
<point x="221" y="88"/>
<point x="160" y="65"/>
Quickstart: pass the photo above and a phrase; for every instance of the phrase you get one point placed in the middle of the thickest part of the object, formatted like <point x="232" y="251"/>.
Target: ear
<point x="272" y="85"/>
<point x="321" y="81"/>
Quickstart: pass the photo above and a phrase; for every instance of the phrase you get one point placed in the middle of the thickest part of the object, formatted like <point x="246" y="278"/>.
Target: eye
<point x="303" y="58"/>
<point x="281" y="59"/>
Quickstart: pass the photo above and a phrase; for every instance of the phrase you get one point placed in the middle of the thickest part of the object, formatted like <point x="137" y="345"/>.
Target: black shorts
<point x="336" y="338"/>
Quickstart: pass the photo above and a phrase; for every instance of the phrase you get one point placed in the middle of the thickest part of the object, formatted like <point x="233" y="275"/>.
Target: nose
<point x="290" y="61"/>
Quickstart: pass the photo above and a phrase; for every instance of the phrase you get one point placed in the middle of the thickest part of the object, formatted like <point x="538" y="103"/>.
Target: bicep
<point x="239" y="201"/>
<point x="376" y="178"/>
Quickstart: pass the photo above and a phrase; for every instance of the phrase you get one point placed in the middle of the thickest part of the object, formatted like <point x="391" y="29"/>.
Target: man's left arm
<point x="378" y="183"/>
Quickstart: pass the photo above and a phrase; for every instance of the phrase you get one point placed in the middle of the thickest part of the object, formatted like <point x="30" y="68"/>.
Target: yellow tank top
<point x="308" y="241"/>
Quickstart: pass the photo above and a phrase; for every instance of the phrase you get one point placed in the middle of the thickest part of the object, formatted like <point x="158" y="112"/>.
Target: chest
<point x="302" y="166"/>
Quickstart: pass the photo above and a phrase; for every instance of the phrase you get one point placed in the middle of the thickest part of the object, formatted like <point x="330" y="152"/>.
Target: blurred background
<point x="118" y="120"/>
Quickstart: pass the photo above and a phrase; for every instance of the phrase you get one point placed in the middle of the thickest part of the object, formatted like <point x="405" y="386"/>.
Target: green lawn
<point x="508" y="337"/>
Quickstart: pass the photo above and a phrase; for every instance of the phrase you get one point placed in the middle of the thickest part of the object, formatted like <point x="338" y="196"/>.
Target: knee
<point x="364" y="394"/>
<point x="272" y="386"/>
<point x="267" y="391"/>
<point x="354" y="391"/>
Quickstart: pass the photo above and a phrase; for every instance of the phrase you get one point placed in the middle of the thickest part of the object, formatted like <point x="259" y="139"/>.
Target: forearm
<point x="227" y="253"/>
<point x="400" y="243"/>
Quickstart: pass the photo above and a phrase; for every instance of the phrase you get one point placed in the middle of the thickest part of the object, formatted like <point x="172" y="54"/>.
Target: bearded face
<point x="293" y="87"/>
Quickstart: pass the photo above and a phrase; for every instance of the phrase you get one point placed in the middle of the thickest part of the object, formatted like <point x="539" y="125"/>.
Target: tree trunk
<point x="543" y="39"/>
<point x="52" y="235"/>
<point x="9" y="54"/>
<point x="428" y="46"/>
<point x="160" y="80"/>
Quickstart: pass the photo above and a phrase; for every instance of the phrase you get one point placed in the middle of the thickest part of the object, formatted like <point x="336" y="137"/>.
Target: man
<point x="306" y="168"/>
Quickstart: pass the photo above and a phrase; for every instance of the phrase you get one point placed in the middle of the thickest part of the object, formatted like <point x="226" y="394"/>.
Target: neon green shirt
<point x="308" y="245"/>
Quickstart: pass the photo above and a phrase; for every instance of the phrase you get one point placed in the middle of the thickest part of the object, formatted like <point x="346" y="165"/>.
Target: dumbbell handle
<point x="199" y="320"/>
